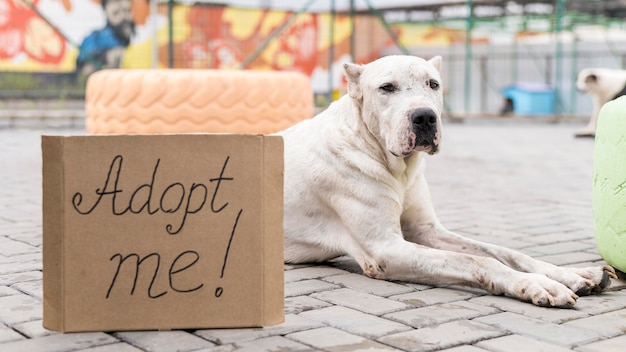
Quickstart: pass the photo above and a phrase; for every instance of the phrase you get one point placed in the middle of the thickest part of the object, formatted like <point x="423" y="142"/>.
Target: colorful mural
<point x="26" y="36"/>
<point x="83" y="36"/>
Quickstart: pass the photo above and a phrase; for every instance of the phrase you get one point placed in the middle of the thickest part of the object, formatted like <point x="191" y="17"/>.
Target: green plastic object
<point x="609" y="183"/>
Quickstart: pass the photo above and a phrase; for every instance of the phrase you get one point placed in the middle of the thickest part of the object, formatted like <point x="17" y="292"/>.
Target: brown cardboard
<point x="162" y="232"/>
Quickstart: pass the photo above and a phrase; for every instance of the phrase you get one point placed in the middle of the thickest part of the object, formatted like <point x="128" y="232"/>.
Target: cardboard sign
<point x="162" y="232"/>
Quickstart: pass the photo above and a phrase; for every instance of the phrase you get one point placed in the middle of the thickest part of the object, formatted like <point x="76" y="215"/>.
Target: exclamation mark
<point x="220" y="290"/>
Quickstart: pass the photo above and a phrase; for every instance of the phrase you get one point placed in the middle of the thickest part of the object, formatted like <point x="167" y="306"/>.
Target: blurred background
<point x="491" y="49"/>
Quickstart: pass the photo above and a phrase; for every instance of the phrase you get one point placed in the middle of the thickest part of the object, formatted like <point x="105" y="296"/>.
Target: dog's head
<point x="587" y="80"/>
<point x="401" y="101"/>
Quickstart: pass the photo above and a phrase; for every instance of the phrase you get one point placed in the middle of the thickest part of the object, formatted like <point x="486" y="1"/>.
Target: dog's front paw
<point x="545" y="292"/>
<point x="594" y="279"/>
<point x="585" y="281"/>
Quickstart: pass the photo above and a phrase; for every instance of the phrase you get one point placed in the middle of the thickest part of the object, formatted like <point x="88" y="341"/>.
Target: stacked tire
<point x="134" y="101"/>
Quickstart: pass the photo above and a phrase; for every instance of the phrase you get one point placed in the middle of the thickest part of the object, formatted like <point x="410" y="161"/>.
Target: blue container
<point x="530" y="98"/>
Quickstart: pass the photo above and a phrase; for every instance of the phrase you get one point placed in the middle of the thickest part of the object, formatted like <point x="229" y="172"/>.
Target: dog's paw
<point x="545" y="292"/>
<point x="592" y="279"/>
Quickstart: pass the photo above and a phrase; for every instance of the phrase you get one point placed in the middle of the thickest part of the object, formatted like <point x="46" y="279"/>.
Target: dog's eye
<point x="387" y="87"/>
<point x="434" y="85"/>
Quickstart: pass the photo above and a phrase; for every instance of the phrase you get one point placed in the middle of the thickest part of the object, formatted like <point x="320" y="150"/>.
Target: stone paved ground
<point x="519" y="184"/>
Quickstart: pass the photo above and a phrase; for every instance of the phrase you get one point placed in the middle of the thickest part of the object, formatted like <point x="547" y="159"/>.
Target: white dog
<point x="604" y="85"/>
<point x="354" y="185"/>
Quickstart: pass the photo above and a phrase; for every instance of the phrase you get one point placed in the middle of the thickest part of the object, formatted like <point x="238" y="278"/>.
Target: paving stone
<point x="440" y="313"/>
<point x="271" y="344"/>
<point x="609" y="324"/>
<point x="417" y="287"/>
<point x="368" y="285"/>
<point x="554" y="315"/>
<point x="569" y="258"/>
<point x="294" y="305"/>
<point x="115" y="347"/>
<point x="10" y="247"/>
<point x="551" y="229"/>
<point x="19" y="308"/>
<point x="60" y="342"/>
<point x="360" y="301"/>
<point x="7" y="334"/>
<point x="508" y="238"/>
<point x="615" y="344"/>
<point x="7" y="291"/>
<point x="533" y="328"/>
<point x="163" y="341"/>
<point x="330" y="339"/>
<point x="18" y="267"/>
<point x="31" y="237"/>
<point x="32" y="288"/>
<point x="33" y="329"/>
<point x="305" y="287"/>
<point x="10" y="279"/>
<point x="314" y="272"/>
<point x="355" y="322"/>
<point x="601" y="303"/>
<point x="466" y="348"/>
<point x="293" y="323"/>
<point x="220" y="348"/>
<point x="346" y="263"/>
<point x="34" y="258"/>
<point x="442" y="336"/>
<point x="519" y="343"/>
<point x="558" y="248"/>
<point x="433" y="296"/>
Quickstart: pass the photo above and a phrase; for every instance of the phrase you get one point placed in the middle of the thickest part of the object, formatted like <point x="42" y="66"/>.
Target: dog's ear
<point x="591" y="78"/>
<point x="436" y="61"/>
<point x="353" y="75"/>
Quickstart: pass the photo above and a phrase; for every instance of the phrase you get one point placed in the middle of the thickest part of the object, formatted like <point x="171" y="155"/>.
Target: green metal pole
<point x="558" y="60"/>
<point x="170" y="34"/>
<point x="468" y="54"/>
<point x="514" y="61"/>
<point x="574" y="74"/>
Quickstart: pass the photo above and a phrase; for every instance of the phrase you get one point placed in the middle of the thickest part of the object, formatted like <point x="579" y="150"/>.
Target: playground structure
<point x="486" y="45"/>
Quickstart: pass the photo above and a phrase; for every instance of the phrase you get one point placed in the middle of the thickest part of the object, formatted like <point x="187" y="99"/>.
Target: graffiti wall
<point x="83" y="36"/>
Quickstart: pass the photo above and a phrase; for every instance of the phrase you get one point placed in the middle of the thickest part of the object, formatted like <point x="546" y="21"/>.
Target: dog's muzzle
<point x="424" y="126"/>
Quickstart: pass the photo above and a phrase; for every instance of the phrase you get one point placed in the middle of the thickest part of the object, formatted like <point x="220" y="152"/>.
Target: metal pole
<point x="514" y="61"/>
<point x="331" y="51"/>
<point x="155" y="40"/>
<point x="574" y="74"/>
<point x="468" y="53"/>
<point x="558" y="60"/>
<point x="483" y="83"/>
<point x="352" y="32"/>
<point x="170" y="34"/>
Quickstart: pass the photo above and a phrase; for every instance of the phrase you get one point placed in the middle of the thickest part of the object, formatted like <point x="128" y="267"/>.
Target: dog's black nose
<point x="423" y="117"/>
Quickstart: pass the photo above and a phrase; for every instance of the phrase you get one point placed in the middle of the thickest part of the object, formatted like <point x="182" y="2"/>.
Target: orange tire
<point x="186" y="101"/>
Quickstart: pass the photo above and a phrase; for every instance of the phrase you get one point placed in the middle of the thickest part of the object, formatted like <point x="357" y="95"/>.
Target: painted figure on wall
<point x="103" y="48"/>
<point x="24" y="35"/>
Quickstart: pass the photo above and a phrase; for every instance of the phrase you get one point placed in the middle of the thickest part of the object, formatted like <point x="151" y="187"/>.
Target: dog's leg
<point x="583" y="281"/>
<point x="420" y="225"/>
<point x="396" y="259"/>
<point x="590" y="129"/>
